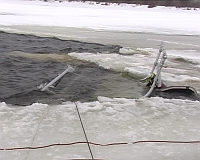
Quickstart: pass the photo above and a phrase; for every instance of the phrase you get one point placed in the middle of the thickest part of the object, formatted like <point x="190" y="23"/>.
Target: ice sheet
<point x="106" y="121"/>
<point x="132" y="18"/>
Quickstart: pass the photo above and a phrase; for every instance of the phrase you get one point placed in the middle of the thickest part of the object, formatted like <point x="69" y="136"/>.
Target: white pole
<point x="69" y="69"/>
<point x="158" y="66"/>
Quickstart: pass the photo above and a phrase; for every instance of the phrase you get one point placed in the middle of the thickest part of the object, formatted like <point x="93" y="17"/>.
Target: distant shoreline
<point x="151" y="3"/>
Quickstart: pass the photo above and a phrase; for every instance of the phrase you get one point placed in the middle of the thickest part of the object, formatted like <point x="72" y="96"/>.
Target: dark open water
<point x="21" y="72"/>
<point x="20" y="76"/>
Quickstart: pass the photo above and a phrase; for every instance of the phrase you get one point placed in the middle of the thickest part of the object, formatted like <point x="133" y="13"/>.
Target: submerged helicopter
<point x="157" y="86"/>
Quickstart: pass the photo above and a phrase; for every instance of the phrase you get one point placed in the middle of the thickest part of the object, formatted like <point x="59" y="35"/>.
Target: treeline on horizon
<point x="150" y="3"/>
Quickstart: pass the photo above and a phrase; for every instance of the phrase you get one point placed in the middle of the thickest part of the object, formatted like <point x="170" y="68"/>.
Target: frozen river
<point x="106" y="76"/>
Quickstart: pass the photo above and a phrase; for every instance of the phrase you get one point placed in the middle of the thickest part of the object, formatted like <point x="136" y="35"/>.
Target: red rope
<point x="98" y="144"/>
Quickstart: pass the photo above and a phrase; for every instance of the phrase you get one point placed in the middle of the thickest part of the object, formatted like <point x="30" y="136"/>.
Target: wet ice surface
<point x="106" y="121"/>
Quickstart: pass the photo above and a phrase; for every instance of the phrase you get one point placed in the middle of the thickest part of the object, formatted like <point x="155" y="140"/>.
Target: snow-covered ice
<point x="112" y="17"/>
